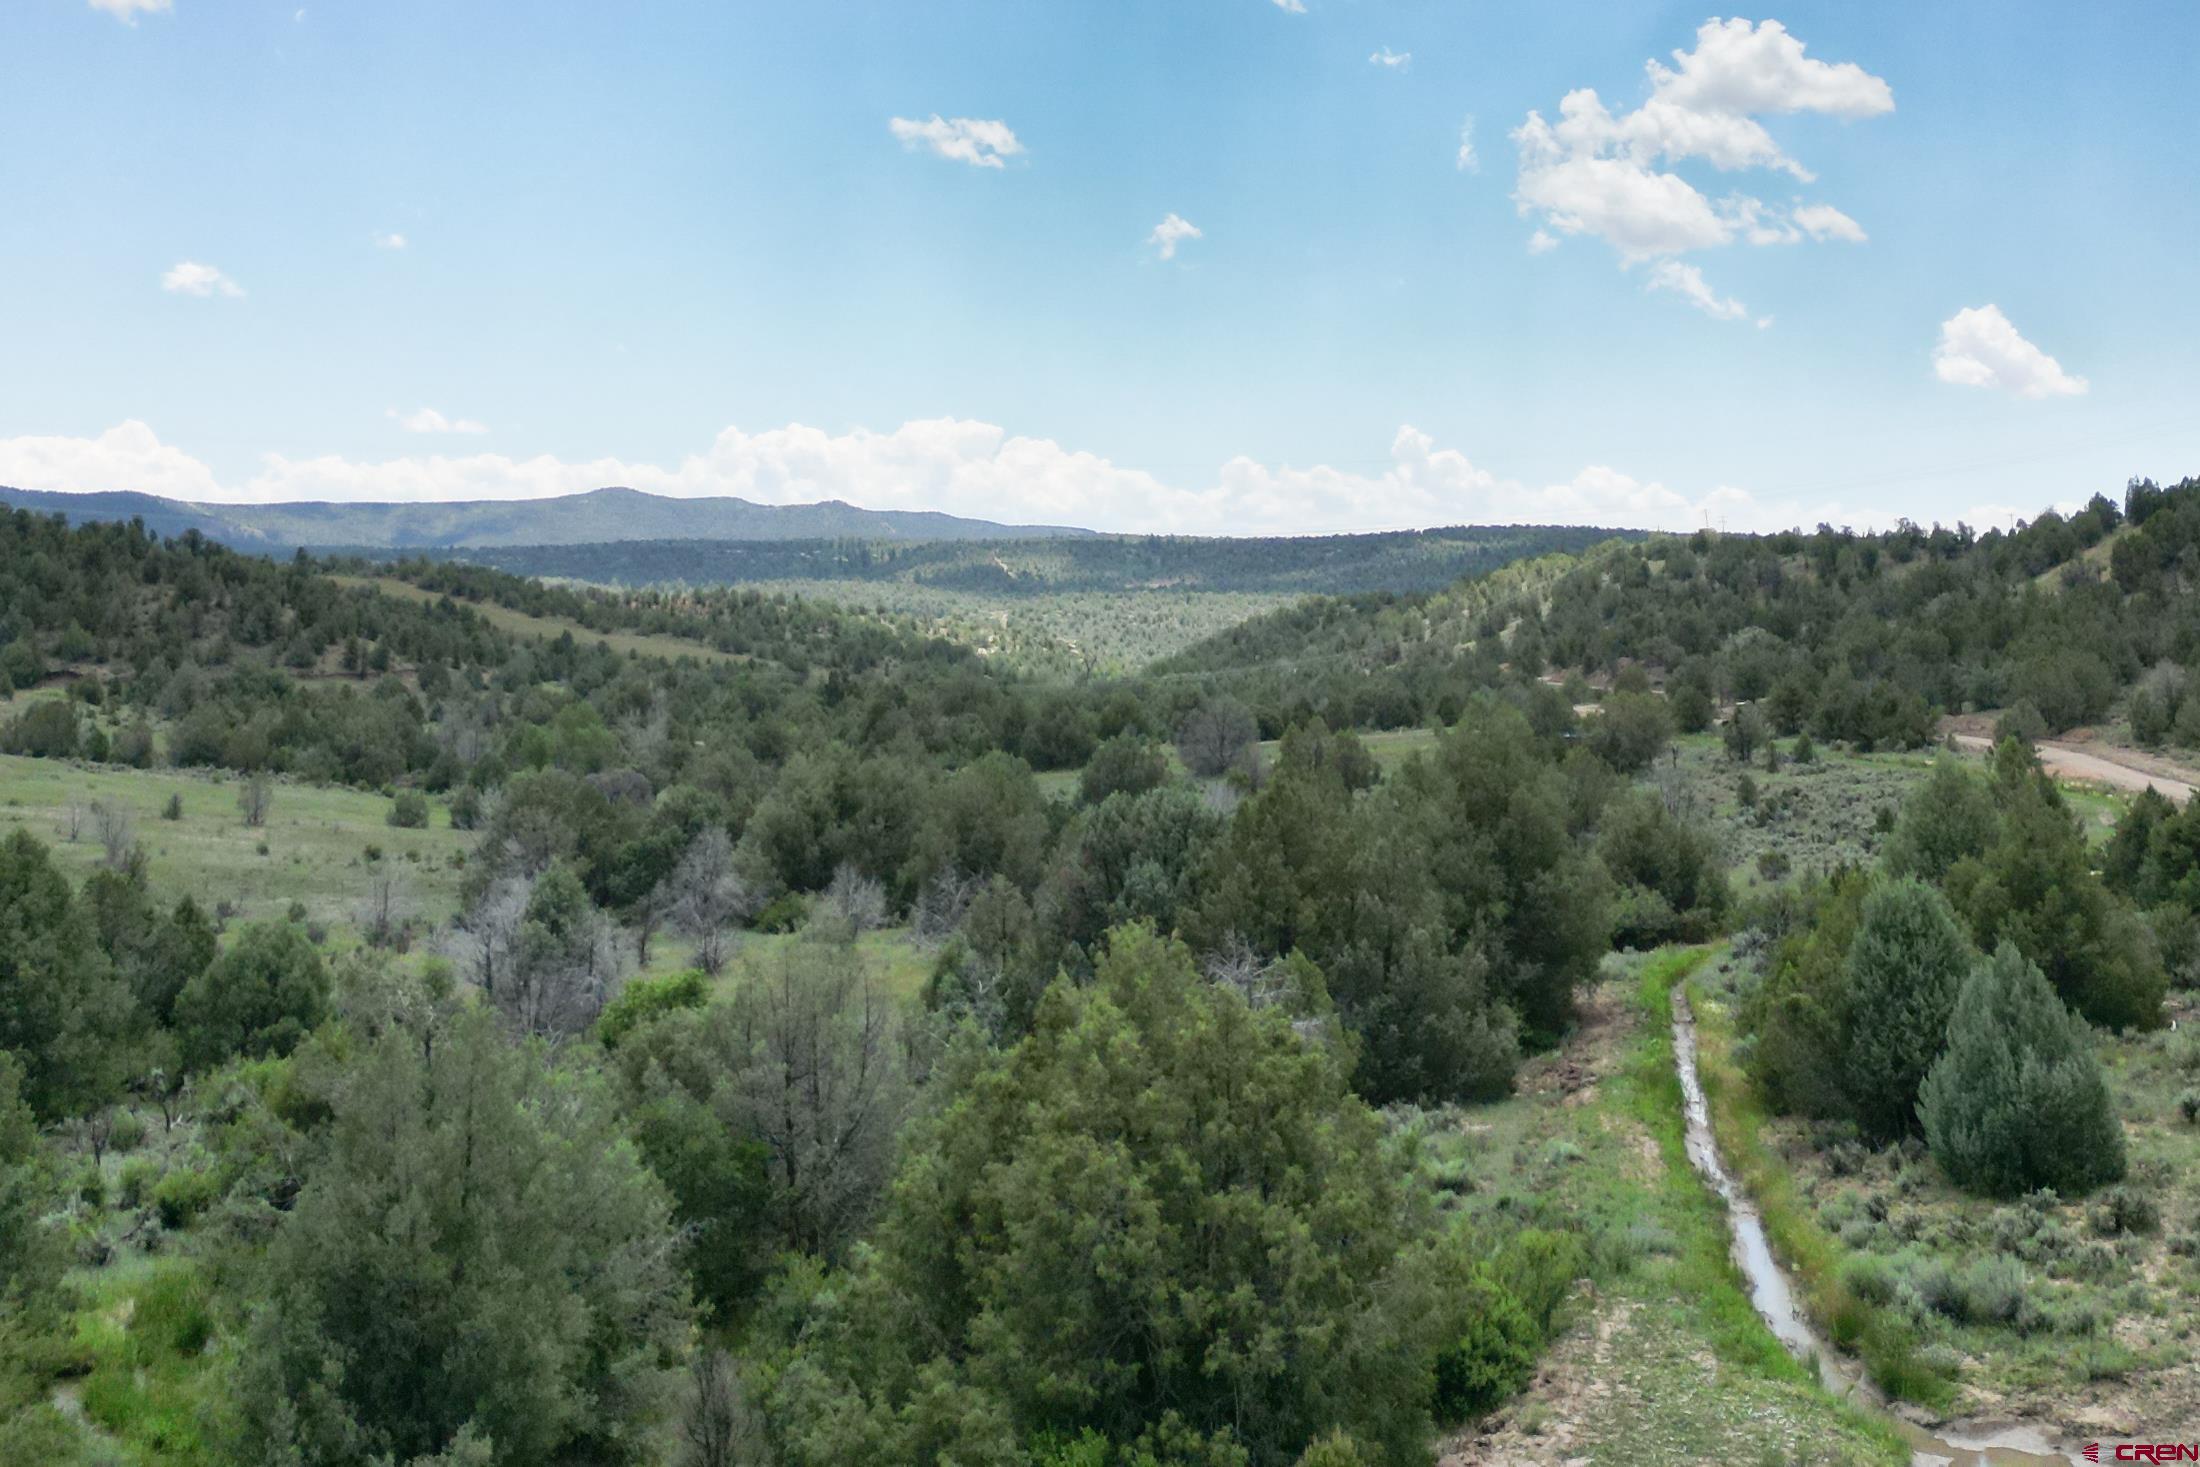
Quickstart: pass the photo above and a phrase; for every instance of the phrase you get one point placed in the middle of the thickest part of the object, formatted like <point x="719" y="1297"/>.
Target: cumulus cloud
<point x="1391" y="60"/>
<point x="389" y="240"/>
<point x="428" y="420"/>
<point x="190" y="277"/>
<point x="1823" y="221"/>
<point x="1613" y="176"/>
<point x="973" y="140"/>
<point x="1687" y="282"/>
<point x="1466" y="160"/>
<point x="952" y="464"/>
<point x="1980" y="348"/>
<point x="127" y="11"/>
<point x="1171" y="232"/>
<point x="1542" y="242"/>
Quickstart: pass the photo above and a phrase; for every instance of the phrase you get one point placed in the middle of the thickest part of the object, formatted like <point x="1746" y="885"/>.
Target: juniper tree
<point x="1902" y="976"/>
<point x="2019" y="1101"/>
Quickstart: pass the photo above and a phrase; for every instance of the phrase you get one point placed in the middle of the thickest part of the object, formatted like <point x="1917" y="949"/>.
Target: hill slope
<point x="600" y="515"/>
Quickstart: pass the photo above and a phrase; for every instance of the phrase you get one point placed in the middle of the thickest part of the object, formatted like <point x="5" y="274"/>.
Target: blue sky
<point x="683" y="246"/>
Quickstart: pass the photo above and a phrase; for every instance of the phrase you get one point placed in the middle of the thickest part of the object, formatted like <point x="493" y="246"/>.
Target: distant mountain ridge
<point x="598" y="516"/>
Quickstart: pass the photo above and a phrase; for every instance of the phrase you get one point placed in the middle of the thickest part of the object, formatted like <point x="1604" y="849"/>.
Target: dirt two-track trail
<point x="2122" y="769"/>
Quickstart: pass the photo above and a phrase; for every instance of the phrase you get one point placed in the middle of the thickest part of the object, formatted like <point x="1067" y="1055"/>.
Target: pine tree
<point x="2018" y="1101"/>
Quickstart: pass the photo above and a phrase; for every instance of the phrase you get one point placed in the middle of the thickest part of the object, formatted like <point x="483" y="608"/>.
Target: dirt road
<point x="2096" y="766"/>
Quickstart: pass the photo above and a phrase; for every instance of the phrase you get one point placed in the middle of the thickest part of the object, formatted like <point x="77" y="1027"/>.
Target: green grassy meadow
<point x="317" y="848"/>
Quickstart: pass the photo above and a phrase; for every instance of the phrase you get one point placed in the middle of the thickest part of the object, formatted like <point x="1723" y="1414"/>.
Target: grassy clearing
<point x="1063" y="634"/>
<point x="901" y="964"/>
<point x="1664" y="1361"/>
<point x="521" y="624"/>
<point x="2086" y="1310"/>
<point x="315" y="849"/>
<point x="1814" y="816"/>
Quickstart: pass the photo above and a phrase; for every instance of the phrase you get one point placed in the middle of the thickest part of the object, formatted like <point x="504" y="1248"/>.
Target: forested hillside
<point x="1406" y="560"/>
<point x="447" y="1018"/>
<point x="1854" y="637"/>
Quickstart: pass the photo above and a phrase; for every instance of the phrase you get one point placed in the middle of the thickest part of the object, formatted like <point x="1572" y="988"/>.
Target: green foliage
<point x="1489" y="1363"/>
<point x="480" y="1252"/>
<point x="1950" y="817"/>
<point x="1176" y="1222"/>
<point x="1673" y="885"/>
<point x="184" y="1193"/>
<point x="259" y="998"/>
<point x="1631" y="730"/>
<point x="155" y="955"/>
<point x="2018" y="1101"/>
<point x="645" y="999"/>
<point x="409" y="810"/>
<point x="1902" y="975"/>
<point x="64" y="1013"/>
<point x="1438" y="906"/>
<point x="1126" y="764"/>
<point x="48" y="729"/>
<point x="29" y="1259"/>
<point x="2035" y="886"/>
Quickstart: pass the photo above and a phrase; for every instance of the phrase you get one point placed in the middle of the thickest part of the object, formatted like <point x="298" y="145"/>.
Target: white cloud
<point x="190" y="277"/>
<point x="1391" y="60"/>
<point x="1296" y="7"/>
<point x="1613" y="176"/>
<point x="389" y="240"/>
<point x="428" y="420"/>
<point x="1823" y="221"/>
<point x="1171" y="232"/>
<point x="127" y="11"/>
<point x="1467" y="161"/>
<point x="1979" y="348"/>
<point x="1687" y="282"/>
<point x="1542" y="242"/>
<point x="1639" y="212"/>
<point x="972" y="140"/>
<point x="1738" y="68"/>
<point x="956" y="465"/>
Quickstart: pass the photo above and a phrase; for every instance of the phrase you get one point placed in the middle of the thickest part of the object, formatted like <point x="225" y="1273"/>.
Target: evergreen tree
<point x="1903" y="973"/>
<point x="63" y="1011"/>
<point x="259" y="998"/>
<point x="1951" y="816"/>
<point x="1176" y="1226"/>
<point x="481" y="1258"/>
<point x="2018" y="1101"/>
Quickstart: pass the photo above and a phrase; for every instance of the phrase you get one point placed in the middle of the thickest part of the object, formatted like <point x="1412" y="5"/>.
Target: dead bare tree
<point x="560" y="993"/>
<point x="117" y="831"/>
<point x="705" y="895"/>
<point x="719" y="1426"/>
<point x="645" y="918"/>
<point x="856" y="900"/>
<point x="940" y="905"/>
<point x="386" y="910"/>
<point x="73" y="818"/>
<point x="820" y="1081"/>
<point x="255" y="797"/>
<point x="1213" y="736"/>
<point x="484" y="942"/>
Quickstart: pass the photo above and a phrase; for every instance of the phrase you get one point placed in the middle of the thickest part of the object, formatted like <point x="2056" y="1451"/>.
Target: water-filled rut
<point x="1775" y="1300"/>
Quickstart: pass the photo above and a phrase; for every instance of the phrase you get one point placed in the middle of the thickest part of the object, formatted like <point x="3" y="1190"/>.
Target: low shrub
<point x="1491" y="1359"/>
<point x="183" y="1194"/>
